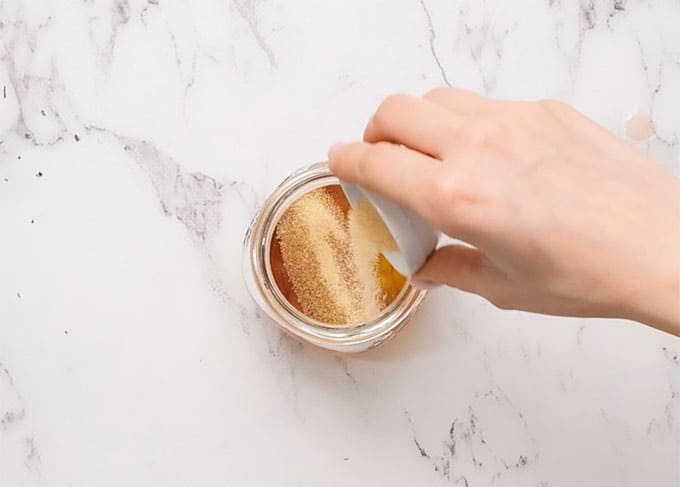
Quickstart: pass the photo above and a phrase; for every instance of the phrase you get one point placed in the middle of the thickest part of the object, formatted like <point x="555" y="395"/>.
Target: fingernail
<point x="424" y="284"/>
<point x="334" y="149"/>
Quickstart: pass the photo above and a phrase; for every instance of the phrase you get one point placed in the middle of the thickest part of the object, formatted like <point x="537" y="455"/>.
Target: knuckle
<point x="382" y="149"/>
<point x="389" y="107"/>
<point x="555" y="111"/>
<point x="450" y="203"/>
<point x="446" y="192"/>
<point x="553" y="107"/>
<point x="485" y="134"/>
<point x="437" y="93"/>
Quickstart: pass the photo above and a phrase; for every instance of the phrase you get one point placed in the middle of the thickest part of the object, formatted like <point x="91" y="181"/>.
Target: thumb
<point x="457" y="266"/>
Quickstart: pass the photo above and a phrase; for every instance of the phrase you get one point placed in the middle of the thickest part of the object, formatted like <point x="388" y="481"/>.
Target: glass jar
<point x="264" y="290"/>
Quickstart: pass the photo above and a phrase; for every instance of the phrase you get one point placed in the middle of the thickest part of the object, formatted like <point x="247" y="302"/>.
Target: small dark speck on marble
<point x="65" y="332"/>
<point x="4" y="92"/>
<point x="19" y="157"/>
<point x="19" y="295"/>
<point x="32" y="221"/>
<point x="346" y="459"/>
<point x="75" y="136"/>
<point x="6" y="180"/>
<point x="39" y="174"/>
<point x="42" y="112"/>
<point x="27" y="135"/>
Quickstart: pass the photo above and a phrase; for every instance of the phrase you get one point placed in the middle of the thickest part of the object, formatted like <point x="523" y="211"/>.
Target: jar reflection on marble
<point x="263" y="285"/>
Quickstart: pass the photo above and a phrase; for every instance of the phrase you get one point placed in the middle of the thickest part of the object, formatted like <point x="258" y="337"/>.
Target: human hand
<point x="564" y="217"/>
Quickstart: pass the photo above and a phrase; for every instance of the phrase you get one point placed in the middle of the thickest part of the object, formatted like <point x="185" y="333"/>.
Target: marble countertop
<point x="137" y="139"/>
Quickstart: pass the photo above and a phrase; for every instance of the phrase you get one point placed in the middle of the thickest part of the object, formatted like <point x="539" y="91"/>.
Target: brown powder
<point x="326" y="258"/>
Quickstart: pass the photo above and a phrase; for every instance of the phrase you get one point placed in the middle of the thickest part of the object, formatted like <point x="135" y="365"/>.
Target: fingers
<point x="414" y="122"/>
<point x="400" y="173"/>
<point x="405" y="142"/>
<point x="429" y="124"/>
<point x="461" y="267"/>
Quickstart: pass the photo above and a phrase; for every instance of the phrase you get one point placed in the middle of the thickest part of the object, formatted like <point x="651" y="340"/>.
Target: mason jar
<point x="259" y="278"/>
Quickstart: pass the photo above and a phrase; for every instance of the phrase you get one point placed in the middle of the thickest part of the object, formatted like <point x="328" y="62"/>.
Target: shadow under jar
<point x="294" y="308"/>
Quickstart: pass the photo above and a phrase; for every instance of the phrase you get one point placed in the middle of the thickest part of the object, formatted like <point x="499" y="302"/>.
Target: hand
<point x="564" y="217"/>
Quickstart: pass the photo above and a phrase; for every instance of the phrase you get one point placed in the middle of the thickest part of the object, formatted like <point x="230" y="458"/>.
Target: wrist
<point x="662" y="310"/>
<point x="649" y="287"/>
<point x="656" y="301"/>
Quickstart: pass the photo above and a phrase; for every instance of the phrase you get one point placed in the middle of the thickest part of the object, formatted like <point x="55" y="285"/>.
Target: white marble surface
<point x="130" y="353"/>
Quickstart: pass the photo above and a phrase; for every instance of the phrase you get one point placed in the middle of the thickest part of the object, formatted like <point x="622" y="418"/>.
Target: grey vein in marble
<point x="119" y="16"/>
<point x="468" y="439"/>
<point x="432" y="37"/>
<point x="11" y="406"/>
<point x="192" y="197"/>
<point x="15" y="33"/>
<point x="246" y="10"/>
<point x="32" y="461"/>
<point x="12" y="414"/>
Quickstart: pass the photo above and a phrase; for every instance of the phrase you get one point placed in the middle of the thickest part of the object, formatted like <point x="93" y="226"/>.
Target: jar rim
<point x="266" y="293"/>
